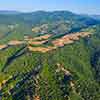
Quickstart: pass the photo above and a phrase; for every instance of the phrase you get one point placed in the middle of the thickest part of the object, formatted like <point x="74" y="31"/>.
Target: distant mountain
<point x="96" y="17"/>
<point x="41" y="17"/>
<point x="8" y="12"/>
<point x="55" y="22"/>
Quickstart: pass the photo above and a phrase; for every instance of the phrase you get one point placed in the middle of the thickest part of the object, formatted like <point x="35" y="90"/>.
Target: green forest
<point x="71" y="72"/>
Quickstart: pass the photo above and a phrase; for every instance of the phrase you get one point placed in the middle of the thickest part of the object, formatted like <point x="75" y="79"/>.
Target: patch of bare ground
<point x="15" y="42"/>
<point x="67" y="72"/>
<point x="4" y="82"/>
<point x="36" y="97"/>
<point x="60" y="67"/>
<point x="60" y="42"/>
<point x="41" y="49"/>
<point x="3" y="46"/>
<point x="70" y="38"/>
<point x="37" y="42"/>
<point x="44" y="37"/>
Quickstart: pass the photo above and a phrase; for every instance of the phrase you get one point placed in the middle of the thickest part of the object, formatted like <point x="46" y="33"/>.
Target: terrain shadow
<point x="17" y="54"/>
<point x="17" y="90"/>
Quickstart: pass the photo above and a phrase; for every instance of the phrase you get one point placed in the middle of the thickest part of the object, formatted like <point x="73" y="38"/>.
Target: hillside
<point x="49" y="56"/>
<point x="57" y="22"/>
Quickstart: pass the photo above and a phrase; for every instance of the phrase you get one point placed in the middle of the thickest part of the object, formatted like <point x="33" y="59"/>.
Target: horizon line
<point x="20" y="11"/>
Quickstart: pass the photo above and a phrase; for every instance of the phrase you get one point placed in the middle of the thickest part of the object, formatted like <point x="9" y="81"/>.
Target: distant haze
<point x="77" y="6"/>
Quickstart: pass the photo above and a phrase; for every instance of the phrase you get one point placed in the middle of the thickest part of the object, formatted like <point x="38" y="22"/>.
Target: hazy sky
<point x="78" y="6"/>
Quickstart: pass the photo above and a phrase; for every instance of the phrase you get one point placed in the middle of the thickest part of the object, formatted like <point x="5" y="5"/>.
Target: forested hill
<point x="40" y="17"/>
<point x="68" y="70"/>
<point x="19" y="24"/>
